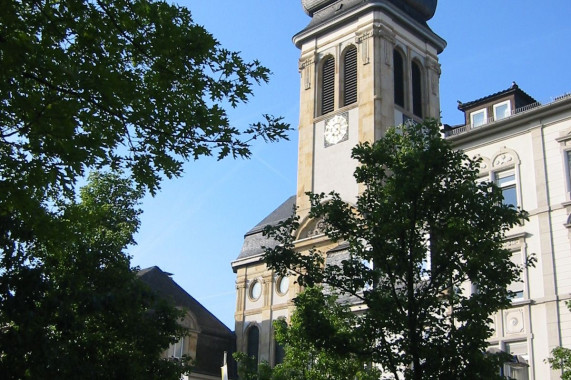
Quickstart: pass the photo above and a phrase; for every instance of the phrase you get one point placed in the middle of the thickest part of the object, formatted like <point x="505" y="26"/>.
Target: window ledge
<point x="522" y="302"/>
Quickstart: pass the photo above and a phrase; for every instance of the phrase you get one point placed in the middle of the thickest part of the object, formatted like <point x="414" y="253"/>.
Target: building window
<point x="282" y="285"/>
<point x="255" y="290"/>
<point x="253" y="342"/>
<point x="502" y="110"/>
<point x="176" y="349"/>
<point x="328" y="85"/>
<point x="568" y="170"/>
<point x="416" y="89"/>
<point x="517" y="287"/>
<point x="518" y="367"/>
<point x="350" y="76"/>
<point x="507" y="183"/>
<point x="478" y="118"/>
<point x="398" y="72"/>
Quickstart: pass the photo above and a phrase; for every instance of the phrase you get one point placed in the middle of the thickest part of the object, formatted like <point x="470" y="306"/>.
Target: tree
<point x="561" y="358"/>
<point x="307" y="360"/>
<point x="131" y="85"/>
<point x="88" y="316"/>
<point x="423" y="228"/>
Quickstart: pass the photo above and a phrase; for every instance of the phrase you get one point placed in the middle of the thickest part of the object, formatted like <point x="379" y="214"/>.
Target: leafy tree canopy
<point x="76" y="309"/>
<point x="119" y="83"/>
<point x="131" y="86"/>
<point x="423" y="228"/>
<point x="337" y="358"/>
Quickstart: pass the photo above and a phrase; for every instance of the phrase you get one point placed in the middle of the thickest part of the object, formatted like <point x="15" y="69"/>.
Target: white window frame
<point x="509" y="368"/>
<point x="518" y="286"/>
<point x="176" y="349"/>
<point x="507" y="172"/>
<point x="472" y="114"/>
<point x="496" y="106"/>
<point x="567" y="166"/>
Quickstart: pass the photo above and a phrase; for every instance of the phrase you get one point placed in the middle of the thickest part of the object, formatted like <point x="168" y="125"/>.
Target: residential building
<point x="525" y="147"/>
<point x="208" y="339"/>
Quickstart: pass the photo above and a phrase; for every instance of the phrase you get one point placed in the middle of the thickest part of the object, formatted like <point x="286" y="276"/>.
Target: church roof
<point x="165" y="287"/>
<point x="254" y="239"/>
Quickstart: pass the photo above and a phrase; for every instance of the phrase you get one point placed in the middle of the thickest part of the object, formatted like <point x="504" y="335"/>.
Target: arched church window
<point x="416" y="89"/>
<point x="350" y="76"/>
<point x="398" y="72"/>
<point x="253" y="341"/>
<point x="328" y="85"/>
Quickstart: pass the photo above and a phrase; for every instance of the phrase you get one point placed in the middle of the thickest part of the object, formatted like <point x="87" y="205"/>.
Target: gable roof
<point x="165" y="287"/>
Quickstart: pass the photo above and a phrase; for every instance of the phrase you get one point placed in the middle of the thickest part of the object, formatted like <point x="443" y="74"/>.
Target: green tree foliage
<point x="561" y="358"/>
<point x="422" y="229"/>
<point x="85" y="314"/>
<point x="250" y="369"/>
<point x="131" y="85"/>
<point x="317" y="314"/>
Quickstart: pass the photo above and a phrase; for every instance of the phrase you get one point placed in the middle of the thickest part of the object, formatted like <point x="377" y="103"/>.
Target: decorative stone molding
<point x="388" y="40"/>
<point x="318" y="229"/>
<point x="305" y="67"/>
<point x="362" y="39"/>
<point x="514" y="243"/>
<point x="505" y="157"/>
<point x="514" y="321"/>
<point x="435" y="71"/>
<point x="485" y="163"/>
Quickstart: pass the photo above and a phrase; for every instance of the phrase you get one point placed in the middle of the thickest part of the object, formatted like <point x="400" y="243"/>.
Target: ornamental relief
<point x="506" y="157"/>
<point x="514" y="321"/>
<point x="485" y="163"/>
<point x="503" y="159"/>
<point x="312" y="229"/>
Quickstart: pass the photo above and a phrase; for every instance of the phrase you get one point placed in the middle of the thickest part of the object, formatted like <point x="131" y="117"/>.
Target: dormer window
<point x="478" y="118"/>
<point x="502" y="110"/>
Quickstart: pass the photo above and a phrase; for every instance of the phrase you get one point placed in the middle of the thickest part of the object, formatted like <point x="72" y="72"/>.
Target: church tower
<point x="365" y="65"/>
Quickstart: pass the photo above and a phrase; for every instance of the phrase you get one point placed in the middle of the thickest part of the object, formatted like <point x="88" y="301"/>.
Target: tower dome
<point x="311" y="6"/>
<point x="420" y="9"/>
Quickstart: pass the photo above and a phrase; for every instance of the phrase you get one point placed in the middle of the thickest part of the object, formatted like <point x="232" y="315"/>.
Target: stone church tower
<point x="365" y="65"/>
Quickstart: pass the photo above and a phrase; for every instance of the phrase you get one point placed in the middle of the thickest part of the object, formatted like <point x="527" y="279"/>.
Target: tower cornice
<point x="329" y="18"/>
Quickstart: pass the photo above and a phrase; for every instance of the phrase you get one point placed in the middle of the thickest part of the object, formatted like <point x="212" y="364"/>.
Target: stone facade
<point x="534" y="144"/>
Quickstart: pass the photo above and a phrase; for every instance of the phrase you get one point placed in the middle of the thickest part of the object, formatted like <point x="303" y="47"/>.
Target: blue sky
<point x="194" y="227"/>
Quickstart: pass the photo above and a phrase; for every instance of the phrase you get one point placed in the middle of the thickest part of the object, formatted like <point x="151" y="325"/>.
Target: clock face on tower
<point x="336" y="129"/>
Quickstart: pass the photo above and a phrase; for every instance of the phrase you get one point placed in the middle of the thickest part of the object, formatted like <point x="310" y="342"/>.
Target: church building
<point x="366" y="65"/>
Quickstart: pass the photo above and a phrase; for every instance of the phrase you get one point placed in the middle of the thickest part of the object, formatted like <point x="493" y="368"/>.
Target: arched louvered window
<point x="253" y="341"/>
<point x="416" y="89"/>
<point x="328" y="85"/>
<point x="398" y="71"/>
<point x="350" y="76"/>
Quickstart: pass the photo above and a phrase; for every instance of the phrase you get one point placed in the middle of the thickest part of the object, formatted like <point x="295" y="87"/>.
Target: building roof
<point x="512" y="90"/>
<point x="167" y="288"/>
<point x="254" y="239"/>
<point x="411" y="11"/>
<point x="420" y="9"/>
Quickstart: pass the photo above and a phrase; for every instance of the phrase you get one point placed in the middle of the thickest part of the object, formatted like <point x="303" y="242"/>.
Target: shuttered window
<point x="398" y="71"/>
<point x="327" y="85"/>
<point x="416" y="90"/>
<point x="350" y="76"/>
